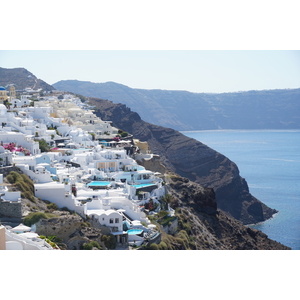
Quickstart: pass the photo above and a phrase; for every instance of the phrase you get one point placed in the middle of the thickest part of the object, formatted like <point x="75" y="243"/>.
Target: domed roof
<point x="2" y="88"/>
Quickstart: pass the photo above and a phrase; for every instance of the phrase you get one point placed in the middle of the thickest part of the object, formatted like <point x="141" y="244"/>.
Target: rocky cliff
<point x="191" y="159"/>
<point x="206" y="226"/>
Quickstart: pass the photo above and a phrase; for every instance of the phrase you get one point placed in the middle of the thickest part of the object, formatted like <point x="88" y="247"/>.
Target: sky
<point x="209" y="71"/>
<point x="199" y="46"/>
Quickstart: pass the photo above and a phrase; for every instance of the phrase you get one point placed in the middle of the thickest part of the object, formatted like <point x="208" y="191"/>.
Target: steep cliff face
<point x="206" y="226"/>
<point x="191" y="159"/>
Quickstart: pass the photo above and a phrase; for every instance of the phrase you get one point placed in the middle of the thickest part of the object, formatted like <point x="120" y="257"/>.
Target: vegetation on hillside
<point x="109" y="241"/>
<point x="33" y="218"/>
<point x="23" y="183"/>
<point x="91" y="245"/>
<point x="43" y="145"/>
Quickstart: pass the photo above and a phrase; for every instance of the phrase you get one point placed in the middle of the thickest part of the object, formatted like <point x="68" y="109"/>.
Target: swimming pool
<point x="98" y="183"/>
<point x="138" y="186"/>
<point x="135" y="231"/>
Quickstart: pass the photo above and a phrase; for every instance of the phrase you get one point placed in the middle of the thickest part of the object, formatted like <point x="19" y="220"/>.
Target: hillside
<point x="22" y="79"/>
<point x="200" y="226"/>
<point x="191" y="159"/>
<point x="182" y="110"/>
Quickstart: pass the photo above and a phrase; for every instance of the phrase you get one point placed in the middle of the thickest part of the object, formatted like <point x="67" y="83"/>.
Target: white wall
<point x="107" y="215"/>
<point x="42" y="178"/>
<point x="12" y="196"/>
<point x="56" y="193"/>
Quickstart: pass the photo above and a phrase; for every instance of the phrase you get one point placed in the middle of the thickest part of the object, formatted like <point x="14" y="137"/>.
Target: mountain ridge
<point x="184" y="110"/>
<point x="21" y="78"/>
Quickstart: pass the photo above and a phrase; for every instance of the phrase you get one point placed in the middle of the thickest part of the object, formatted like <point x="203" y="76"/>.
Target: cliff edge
<point x="191" y="159"/>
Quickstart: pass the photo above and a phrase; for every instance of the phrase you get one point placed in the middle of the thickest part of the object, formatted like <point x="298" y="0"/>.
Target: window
<point x="111" y="221"/>
<point x="116" y="220"/>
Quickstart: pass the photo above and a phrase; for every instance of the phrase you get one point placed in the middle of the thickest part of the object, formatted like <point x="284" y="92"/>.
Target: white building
<point x="23" y="241"/>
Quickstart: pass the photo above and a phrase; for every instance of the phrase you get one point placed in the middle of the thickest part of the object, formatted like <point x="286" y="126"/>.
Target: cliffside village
<point x="88" y="166"/>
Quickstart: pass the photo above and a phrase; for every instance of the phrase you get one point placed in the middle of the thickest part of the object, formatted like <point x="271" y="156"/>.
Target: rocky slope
<point x="183" y="110"/>
<point x="199" y="224"/>
<point x="208" y="227"/>
<point x="191" y="159"/>
<point x="22" y="79"/>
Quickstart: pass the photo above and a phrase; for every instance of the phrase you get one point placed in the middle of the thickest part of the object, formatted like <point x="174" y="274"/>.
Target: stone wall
<point x="10" y="209"/>
<point x="6" y="170"/>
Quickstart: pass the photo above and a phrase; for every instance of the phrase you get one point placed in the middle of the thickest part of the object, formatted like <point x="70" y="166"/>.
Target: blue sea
<point x="269" y="160"/>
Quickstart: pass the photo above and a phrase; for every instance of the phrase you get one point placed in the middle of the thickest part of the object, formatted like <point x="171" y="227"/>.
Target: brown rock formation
<point x="208" y="227"/>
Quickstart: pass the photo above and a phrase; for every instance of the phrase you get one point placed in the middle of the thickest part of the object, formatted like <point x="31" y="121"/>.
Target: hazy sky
<point x="192" y="70"/>
<point x="160" y="44"/>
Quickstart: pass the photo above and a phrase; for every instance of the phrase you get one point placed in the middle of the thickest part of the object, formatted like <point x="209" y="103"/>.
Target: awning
<point x="21" y="227"/>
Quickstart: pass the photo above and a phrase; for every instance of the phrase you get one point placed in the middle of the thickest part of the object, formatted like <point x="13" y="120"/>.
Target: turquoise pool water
<point x="134" y="231"/>
<point x="138" y="186"/>
<point x="98" y="183"/>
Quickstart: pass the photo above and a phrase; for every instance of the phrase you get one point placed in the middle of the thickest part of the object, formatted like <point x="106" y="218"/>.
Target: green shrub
<point x="183" y="238"/>
<point x="153" y="247"/>
<point x="28" y="196"/>
<point x="124" y="134"/>
<point x="90" y="245"/>
<point x="10" y="179"/>
<point x="52" y="206"/>
<point x="183" y="223"/>
<point x="54" y="239"/>
<point x="109" y="240"/>
<point x="162" y="246"/>
<point x="35" y="217"/>
<point x="85" y="224"/>
<point x="66" y="209"/>
<point x="23" y="183"/>
<point x="13" y="176"/>
<point x="22" y="186"/>
<point x="28" y="181"/>
<point x="162" y="214"/>
<point x="43" y="145"/>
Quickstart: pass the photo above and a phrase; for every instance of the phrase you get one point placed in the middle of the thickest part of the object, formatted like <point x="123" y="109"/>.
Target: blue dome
<point x="2" y="88"/>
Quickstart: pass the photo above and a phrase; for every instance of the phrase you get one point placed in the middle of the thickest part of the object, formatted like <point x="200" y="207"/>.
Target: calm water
<point x="269" y="160"/>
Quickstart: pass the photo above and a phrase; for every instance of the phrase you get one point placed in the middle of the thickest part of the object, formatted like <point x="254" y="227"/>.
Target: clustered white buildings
<point x="87" y="169"/>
